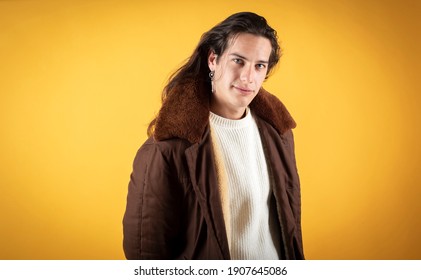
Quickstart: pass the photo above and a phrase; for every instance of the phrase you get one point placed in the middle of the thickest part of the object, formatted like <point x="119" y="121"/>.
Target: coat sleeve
<point x="152" y="218"/>
<point x="294" y="193"/>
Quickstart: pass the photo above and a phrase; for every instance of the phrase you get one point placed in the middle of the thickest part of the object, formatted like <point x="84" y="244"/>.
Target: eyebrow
<point x="242" y="57"/>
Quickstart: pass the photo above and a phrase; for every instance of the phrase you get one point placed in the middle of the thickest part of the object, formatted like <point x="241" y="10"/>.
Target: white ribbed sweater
<point x="246" y="198"/>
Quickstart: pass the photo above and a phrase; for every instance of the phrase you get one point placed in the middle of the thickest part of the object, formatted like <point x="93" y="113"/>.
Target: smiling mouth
<point x="244" y="90"/>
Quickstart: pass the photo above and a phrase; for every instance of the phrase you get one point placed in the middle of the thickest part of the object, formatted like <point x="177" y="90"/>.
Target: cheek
<point x="226" y="78"/>
<point x="260" y="79"/>
<point x="220" y="73"/>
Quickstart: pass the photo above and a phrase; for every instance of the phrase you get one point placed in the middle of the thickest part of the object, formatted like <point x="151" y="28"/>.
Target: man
<point x="217" y="178"/>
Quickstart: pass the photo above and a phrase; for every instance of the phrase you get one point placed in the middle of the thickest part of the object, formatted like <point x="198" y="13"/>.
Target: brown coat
<point x="173" y="205"/>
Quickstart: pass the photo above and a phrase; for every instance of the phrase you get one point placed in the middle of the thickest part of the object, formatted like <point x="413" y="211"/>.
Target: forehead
<point x="250" y="46"/>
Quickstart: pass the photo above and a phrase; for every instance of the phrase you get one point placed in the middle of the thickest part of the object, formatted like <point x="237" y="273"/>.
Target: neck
<point x="229" y="114"/>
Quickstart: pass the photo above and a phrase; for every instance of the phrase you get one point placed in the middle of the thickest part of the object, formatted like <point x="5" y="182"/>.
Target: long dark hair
<point x="217" y="40"/>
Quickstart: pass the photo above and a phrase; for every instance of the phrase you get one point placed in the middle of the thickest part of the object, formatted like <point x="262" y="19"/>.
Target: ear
<point x="212" y="58"/>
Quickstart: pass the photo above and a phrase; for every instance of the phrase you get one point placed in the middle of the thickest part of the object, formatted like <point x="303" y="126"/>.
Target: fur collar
<point x="185" y="113"/>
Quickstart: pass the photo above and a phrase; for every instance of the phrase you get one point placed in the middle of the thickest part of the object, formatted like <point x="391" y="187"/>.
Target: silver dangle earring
<point x="211" y="75"/>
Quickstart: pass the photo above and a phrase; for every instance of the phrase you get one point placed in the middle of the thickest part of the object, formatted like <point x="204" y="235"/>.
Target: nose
<point x="247" y="74"/>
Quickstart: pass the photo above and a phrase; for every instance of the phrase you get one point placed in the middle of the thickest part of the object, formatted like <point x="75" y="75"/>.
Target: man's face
<point x="239" y="74"/>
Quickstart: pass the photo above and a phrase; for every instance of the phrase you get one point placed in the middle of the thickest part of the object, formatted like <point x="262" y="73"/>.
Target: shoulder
<point x="269" y="108"/>
<point x="164" y="147"/>
<point x="169" y="153"/>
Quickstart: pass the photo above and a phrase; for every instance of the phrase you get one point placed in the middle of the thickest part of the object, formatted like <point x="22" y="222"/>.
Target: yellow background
<point x="80" y="80"/>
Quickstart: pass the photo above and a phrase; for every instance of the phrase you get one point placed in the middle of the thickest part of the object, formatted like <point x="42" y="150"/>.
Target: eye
<point x="260" y="66"/>
<point x="238" y="61"/>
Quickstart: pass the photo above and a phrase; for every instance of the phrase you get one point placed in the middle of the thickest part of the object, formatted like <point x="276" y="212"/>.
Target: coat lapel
<point x="284" y="176"/>
<point x="201" y="164"/>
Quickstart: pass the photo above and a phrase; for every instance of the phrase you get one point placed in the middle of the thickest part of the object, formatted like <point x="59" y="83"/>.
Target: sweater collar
<point x="219" y="121"/>
<point x="185" y="113"/>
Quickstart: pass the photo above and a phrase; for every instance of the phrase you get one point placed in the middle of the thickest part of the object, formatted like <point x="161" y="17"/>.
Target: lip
<point x="244" y="90"/>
